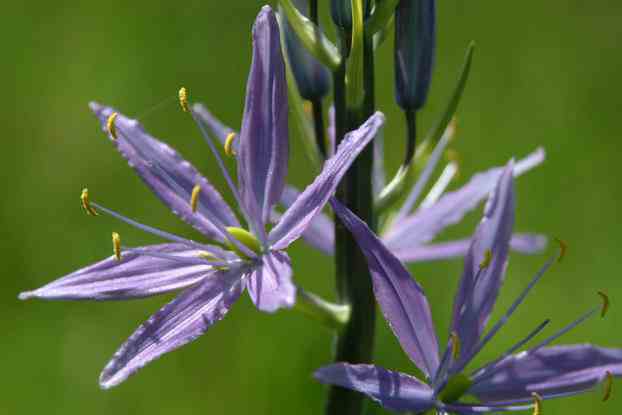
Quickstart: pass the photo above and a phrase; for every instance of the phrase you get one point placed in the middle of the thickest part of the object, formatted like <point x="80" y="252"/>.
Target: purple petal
<point x="216" y="127"/>
<point x="393" y="390"/>
<point x="401" y="299"/>
<point x="320" y="233"/>
<point x="179" y="322"/>
<point x="479" y="287"/>
<point x="426" y="223"/>
<point x="138" y="274"/>
<point x="270" y="284"/>
<point x="549" y="371"/>
<point x="312" y="200"/>
<point x="169" y="176"/>
<point x="331" y="131"/>
<point x="378" y="178"/>
<point x="526" y="243"/>
<point x="263" y="151"/>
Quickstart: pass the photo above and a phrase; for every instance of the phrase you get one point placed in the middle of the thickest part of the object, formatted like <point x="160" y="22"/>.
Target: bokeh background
<point x="545" y="73"/>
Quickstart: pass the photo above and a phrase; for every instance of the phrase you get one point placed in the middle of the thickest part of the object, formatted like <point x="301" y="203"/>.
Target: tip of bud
<point x="605" y="306"/>
<point x="183" y="99"/>
<point x="116" y="245"/>
<point x="229" y="144"/>
<point x="110" y="125"/>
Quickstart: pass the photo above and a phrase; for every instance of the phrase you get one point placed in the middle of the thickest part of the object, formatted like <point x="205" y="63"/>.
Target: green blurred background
<point x="545" y="73"/>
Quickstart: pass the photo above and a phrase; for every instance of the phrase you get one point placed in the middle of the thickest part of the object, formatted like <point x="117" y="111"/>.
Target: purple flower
<point x="409" y="234"/>
<point x="514" y="381"/>
<point x="214" y="275"/>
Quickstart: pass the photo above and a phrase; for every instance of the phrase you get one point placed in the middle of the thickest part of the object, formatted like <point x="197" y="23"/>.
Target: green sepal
<point x="381" y="16"/>
<point x="312" y="36"/>
<point x="405" y="175"/>
<point x="245" y="238"/>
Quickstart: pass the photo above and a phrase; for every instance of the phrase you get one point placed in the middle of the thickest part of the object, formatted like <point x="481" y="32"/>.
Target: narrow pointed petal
<point x="393" y="390"/>
<point x="168" y="175"/>
<point x="138" y="274"/>
<point x="549" y="371"/>
<point x="427" y="223"/>
<point x="401" y="299"/>
<point x="312" y="200"/>
<point x="264" y="143"/>
<point x="378" y="179"/>
<point x="320" y="233"/>
<point x="179" y="322"/>
<point x="270" y="283"/>
<point x="216" y="127"/>
<point x="479" y="286"/>
<point x="526" y="243"/>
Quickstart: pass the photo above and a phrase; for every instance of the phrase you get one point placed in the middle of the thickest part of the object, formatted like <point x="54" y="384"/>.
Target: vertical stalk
<point x="354" y="286"/>
<point x="318" y="126"/>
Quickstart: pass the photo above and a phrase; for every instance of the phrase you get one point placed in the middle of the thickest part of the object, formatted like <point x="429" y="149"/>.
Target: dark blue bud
<point x="341" y="12"/>
<point x="415" y="40"/>
<point x="312" y="78"/>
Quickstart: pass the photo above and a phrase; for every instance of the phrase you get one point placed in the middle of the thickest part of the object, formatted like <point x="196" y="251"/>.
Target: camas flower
<point x="514" y="381"/>
<point x="213" y="275"/>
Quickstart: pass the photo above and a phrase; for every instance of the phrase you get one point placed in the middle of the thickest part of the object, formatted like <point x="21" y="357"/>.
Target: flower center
<point x="456" y="386"/>
<point x="246" y="238"/>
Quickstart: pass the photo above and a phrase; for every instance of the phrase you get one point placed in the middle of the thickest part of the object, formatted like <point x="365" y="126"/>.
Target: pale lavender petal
<point x="331" y="131"/>
<point x="393" y="390"/>
<point x="549" y="371"/>
<point x="270" y="284"/>
<point x="479" y="287"/>
<point x="169" y="176"/>
<point x="263" y="148"/>
<point x="401" y="299"/>
<point x="425" y="224"/>
<point x="320" y="233"/>
<point x="179" y="322"/>
<point x="216" y="127"/>
<point x="139" y="274"/>
<point x="378" y="179"/>
<point x="526" y="243"/>
<point x="312" y="200"/>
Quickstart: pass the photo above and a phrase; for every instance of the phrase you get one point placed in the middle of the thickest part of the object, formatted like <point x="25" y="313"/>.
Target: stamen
<point x="563" y="246"/>
<point x="537" y="404"/>
<point x="455" y="345"/>
<point x="183" y="99"/>
<point x="437" y="190"/>
<point x="487" y="259"/>
<point x="194" y="198"/>
<point x="608" y="385"/>
<point x="116" y="245"/>
<point x="110" y="125"/>
<point x="229" y="144"/>
<point x="454" y="157"/>
<point x="86" y="205"/>
<point x="605" y="307"/>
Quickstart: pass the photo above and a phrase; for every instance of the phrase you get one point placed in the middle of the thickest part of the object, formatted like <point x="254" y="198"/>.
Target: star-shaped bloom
<point x="512" y="382"/>
<point x="214" y="275"/>
<point x="409" y="234"/>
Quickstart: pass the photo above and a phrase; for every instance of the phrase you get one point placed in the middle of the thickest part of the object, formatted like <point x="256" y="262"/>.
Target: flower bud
<point x="312" y="78"/>
<point x="415" y="40"/>
<point x="341" y="12"/>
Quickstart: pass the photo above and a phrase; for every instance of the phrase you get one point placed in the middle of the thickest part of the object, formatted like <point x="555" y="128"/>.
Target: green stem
<point x="354" y="286"/>
<point x="318" y="126"/>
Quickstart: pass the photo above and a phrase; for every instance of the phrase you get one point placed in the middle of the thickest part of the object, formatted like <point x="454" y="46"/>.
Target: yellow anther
<point x="86" y="204"/>
<point x="183" y="99"/>
<point x="455" y="345"/>
<point x="194" y="198"/>
<point x="607" y="386"/>
<point x="563" y="247"/>
<point x="453" y="157"/>
<point x="308" y="107"/>
<point x="229" y="144"/>
<point x="116" y="245"/>
<point x="537" y="404"/>
<point x="487" y="259"/>
<point x="605" y="298"/>
<point x="110" y="125"/>
<point x="451" y="128"/>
